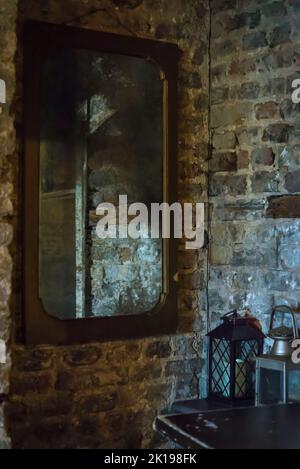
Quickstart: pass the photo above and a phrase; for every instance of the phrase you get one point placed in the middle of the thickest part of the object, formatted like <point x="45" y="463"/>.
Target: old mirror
<point x="101" y="137"/>
<point x="99" y="124"/>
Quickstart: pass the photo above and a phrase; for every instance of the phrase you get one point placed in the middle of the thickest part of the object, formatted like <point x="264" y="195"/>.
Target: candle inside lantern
<point x="240" y="381"/>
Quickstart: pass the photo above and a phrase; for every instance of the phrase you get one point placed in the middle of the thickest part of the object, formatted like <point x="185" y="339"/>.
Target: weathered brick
<point x="159" y="349"/>
<point x="250" y="19"/>
<point x="219" y="25"/>
<point x="283" y="207"/>
<point x="283" y="57"/>
<point x="243" y="159"/>
<point x="50" y="406"/>
<point x="242" y="67"/>
<point x="233" y="114"/>
<point x="220" y="254"/>
<point x="280" y="281"/>
<point x="190" y="192"/>
<point x="92" y="379"/>
<point x="233" y="185"/>
<point x="186" y="391"/>
<point x="193" y="80"/>
<point x="268" y="110"/>
<point x="83" y="356"/>
<point x="201" y="9"/>
<point x="217" y="73"/>
<point x="274" y="87"/>
<point x="224" y="141"/>
<point x="247" y="280"/>
<point x="289" y="232"/>
<point x="219" y="95"/>
<point x="37" y="383"/>
<point x="289" y="257"/>
<point x="277" y="133"/>
<point x="98" y="403"/>
<point x="188" y="170"/>
<point x="292" y="182"/>
<point x="289" y="157"/>
<point x="187" y="259"/>
<point x="200" y="54"/>
<point x="240" y="210"/>
<point x="274" y="9"/>
<point x="125" y="255"/>
<point x="158" y="393"/>
<point x="254" y="41"/>
<point x="185" y="346"/>
<point x="6" y="234"/>
<point x="163" y="30"/>
<point x="223" y="48"/>
<point x="247" y="136"/>
<point x="188" y="300"/>
<point x="123" y="353"/>
<point x="289" y="110"/>
<point x="249" y="90"/>
<point x="280" y="35"/>
<point x="33" y="359"/>
<point x="254" y="256"/>
<point x="201" y="103"/>
<point x="192" y="281"/>
<point x="50" y="433"/>
<point x="183" y="367"/>
<point x="263" y="156"/>
<point x="224" y="162"/>
<point x="146" y="371"/>
<point x="265" y="182"/>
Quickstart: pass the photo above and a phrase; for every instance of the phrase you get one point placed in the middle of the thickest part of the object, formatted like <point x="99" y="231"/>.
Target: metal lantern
<point x="277" y="377"/>
<point x="234" y="346"/>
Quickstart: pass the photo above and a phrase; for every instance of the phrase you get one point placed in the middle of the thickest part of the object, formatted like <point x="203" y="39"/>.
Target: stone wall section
<point x="8" y="174"/>
<point x="107" y="395"/>
<point x="254" y="252"/>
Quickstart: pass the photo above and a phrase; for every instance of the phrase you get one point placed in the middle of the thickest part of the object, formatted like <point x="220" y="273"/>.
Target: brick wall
<point x="90" y="396"/>
<point x="107" y="395"/>
<point x="8" y="13"/>
<point x="254" y="253"/>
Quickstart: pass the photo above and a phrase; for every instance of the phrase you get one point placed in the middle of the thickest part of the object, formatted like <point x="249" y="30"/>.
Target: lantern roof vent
<point x="236" y="328"/>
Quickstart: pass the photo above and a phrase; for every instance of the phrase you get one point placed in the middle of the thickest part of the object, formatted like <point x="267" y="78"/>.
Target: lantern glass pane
<point x="271" y="387"/>
<point x="220" y="372"/>
<point x="246" y="352"/>
<point x="294" y="386"/>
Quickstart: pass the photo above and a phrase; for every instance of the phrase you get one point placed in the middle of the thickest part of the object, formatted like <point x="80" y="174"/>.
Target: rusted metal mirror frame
<point x="40" y="328"/>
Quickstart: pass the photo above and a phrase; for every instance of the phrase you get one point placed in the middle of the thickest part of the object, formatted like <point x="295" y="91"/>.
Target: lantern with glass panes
<point x="234" y="346"/>
<point x="277" y="376"/>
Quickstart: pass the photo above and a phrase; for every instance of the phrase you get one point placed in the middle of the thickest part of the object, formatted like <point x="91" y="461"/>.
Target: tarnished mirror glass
<point x="101" y="137"/>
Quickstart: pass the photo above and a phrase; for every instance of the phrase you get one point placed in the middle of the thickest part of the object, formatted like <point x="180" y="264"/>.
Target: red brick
<point x="284" y="207"/>
<point x="267" y="110"/>
<point x="242" y="67"/>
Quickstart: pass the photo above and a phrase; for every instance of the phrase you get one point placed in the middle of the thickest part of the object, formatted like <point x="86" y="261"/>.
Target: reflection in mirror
<point x="101" y="137"/>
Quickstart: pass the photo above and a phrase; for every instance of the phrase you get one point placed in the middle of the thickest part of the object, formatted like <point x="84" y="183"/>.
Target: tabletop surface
<point x="276" y="427"/>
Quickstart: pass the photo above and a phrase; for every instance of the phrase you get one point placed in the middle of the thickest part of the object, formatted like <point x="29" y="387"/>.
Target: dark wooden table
<point x="276" y="427"/>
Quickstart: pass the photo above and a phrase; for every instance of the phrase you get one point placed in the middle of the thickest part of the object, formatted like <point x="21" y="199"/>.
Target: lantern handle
<point x="231" y="315"/>
<point x="285" y="310"/>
